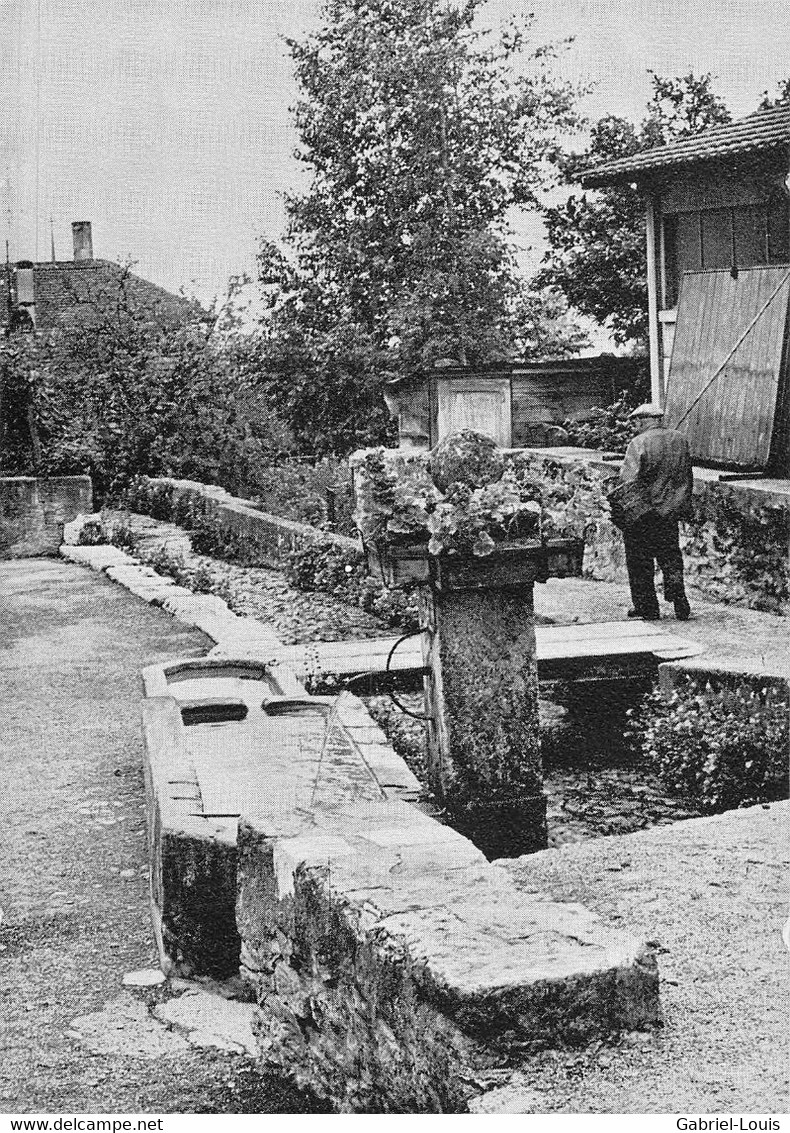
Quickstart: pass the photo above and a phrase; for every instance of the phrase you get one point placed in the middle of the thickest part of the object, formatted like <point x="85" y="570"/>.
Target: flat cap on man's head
<point x="647" y="409"/>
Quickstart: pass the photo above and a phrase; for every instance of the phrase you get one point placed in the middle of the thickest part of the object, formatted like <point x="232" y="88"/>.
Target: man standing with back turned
<point x="657" y="464"/>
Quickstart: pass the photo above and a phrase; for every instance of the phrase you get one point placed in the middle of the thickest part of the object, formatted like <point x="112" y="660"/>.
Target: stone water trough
<point x="394" y="967"/>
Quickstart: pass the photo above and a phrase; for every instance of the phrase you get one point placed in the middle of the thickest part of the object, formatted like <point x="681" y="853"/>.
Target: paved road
<point x="73" y="872"/>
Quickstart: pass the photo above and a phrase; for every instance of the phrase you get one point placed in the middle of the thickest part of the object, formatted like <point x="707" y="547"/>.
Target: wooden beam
<point x="656" y="376"/>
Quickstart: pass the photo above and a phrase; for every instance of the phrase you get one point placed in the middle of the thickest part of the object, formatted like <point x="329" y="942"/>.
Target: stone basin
<point x="226" y="737"/>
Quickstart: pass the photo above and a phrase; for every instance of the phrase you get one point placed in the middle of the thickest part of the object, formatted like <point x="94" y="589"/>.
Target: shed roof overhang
<point x="762" y="132"/>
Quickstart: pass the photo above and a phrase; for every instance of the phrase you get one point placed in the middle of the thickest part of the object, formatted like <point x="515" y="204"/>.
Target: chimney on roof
<point x="83" y="240"/>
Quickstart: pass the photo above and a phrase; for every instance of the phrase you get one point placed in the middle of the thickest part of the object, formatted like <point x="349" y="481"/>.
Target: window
<point x="744" y="236"/>
<point x="751" y="243"/>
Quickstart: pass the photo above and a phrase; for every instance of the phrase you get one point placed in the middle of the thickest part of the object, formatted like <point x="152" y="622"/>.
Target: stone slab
<point x="97" y="558"/>
<point x="756" y="673"/>
<point x="406" y="942"/>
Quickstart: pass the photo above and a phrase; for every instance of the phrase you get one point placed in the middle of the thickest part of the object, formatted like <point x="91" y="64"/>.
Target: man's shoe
<point x="682" y="609"/>
<point x="632" y="613"/>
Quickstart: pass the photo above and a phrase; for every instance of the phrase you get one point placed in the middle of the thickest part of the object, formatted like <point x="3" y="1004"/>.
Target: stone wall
<point x="260" y="538"/>
<point x="34" y="511"/>
<point x="396" y="970"/>
<point x="736" y="549"/>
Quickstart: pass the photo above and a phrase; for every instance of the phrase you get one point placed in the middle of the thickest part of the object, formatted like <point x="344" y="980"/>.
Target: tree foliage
<point x="596" y="254"/>
<point x="130" y="387"/>
<point x="780" y="98"/>
<point x="420" y="132"/>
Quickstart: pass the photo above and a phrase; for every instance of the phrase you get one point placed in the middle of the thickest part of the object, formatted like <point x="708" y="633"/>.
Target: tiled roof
<point x="766" y="129"/>
<point x="72" y="291"/>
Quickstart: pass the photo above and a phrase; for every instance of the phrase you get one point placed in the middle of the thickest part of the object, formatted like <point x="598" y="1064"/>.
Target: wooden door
<point x="482" y="404"/>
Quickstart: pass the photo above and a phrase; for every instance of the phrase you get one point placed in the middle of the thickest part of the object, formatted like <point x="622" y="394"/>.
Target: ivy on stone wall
<point x="738" y="552"/>
<point x="736" y="548"/>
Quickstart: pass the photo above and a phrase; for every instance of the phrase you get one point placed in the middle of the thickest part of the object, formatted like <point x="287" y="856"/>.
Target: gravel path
<point x="713" y="893"/>
<point x="74" y="868"/>
<point x="296" y="616"/>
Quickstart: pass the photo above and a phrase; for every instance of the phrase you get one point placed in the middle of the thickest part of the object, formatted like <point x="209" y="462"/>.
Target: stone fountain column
<point x="481" y="699"/>
<point x="478" y="637"/>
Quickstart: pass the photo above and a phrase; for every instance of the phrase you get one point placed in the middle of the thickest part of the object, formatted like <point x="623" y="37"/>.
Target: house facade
<point x="719" y="199"/>
<point x="718" y="274"/>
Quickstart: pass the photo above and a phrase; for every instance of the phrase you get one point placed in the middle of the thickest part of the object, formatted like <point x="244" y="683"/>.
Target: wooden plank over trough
<point x="728" y="377"/>
<point x="591" y="651"/>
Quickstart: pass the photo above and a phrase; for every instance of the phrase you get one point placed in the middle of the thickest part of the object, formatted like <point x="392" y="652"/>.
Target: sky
<point x="166" y="122"/>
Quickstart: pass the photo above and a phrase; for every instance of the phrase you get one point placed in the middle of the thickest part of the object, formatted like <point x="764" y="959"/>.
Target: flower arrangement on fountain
<point x="464" y="497"/>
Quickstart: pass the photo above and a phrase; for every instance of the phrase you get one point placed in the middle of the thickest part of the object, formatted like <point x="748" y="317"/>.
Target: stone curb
<point x="727" y="671"/>
<point x="206" y="612"/>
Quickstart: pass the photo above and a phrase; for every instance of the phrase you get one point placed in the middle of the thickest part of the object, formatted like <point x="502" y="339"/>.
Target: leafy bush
<point x="297" y="490"/>
<point x="607" y="430"/>
<point x="725" y="747"/>
<point x="124" y="537"/>
<point x="209" y="538"/>
<point x="92" y="533"/>
<point x="326" y="567"/>
<point x="136" y="385"/>
<point x="148" y="498"/>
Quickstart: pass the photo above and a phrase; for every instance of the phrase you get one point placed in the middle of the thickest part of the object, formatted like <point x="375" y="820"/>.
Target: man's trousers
<point x="651" y="540"/>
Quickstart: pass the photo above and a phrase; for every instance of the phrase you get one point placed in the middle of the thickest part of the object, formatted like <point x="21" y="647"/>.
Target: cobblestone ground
<point x="296" y="616"/>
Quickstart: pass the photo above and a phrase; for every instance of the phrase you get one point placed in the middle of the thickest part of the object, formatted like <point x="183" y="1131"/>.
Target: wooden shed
<point x="718" y="274"/>
<point x="516" y="403"/>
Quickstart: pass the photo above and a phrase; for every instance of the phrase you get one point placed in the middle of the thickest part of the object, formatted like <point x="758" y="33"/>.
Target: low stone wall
<point x="396" y="970"/>
<point x="261" y="539"/>
<point x="719" y="672"/>
<point x="736" y="549"/>
<point x="33" y="512"/>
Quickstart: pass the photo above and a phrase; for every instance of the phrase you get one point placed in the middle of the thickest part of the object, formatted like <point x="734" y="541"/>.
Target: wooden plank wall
<point x="542" y="393"/>
<point x="733" y="423"/>
<point x="555" y="393"/>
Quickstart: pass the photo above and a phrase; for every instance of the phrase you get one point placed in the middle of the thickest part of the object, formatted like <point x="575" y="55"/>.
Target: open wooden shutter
<point x="729" y="368"/>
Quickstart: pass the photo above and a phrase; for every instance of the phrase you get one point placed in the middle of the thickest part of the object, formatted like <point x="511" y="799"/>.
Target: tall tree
<point x="421" y="132"/>
<point x="596" y="255"/>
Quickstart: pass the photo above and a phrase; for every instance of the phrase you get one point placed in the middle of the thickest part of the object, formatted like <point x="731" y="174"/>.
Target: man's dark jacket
<point x="658" y="460"/>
